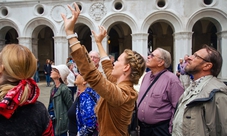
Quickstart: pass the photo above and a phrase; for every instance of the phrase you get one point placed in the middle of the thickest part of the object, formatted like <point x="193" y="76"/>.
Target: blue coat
<point x="85" y="115"/>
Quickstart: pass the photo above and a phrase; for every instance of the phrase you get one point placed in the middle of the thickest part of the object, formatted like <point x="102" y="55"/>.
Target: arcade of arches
<point x="160" y="34"/>
<point x="179" y="30"/>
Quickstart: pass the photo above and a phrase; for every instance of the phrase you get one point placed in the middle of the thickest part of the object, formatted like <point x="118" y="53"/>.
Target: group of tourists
<point x="105" y="99"/>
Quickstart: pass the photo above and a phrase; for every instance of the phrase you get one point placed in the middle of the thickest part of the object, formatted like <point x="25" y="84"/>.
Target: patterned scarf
<point x="12" y="99"/>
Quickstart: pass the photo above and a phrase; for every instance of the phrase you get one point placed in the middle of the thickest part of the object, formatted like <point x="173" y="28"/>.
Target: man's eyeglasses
<point x="199" y="57"/>
<point x="152" y="56"/>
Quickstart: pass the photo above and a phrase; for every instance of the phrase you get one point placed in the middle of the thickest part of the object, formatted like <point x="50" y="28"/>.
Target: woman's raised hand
<point x="98" y="39"/>
<point x="70" y="22"/>
<point x="102" y="33"/>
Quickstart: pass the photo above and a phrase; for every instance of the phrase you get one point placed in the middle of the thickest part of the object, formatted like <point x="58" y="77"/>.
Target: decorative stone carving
<point x="97" y="11"/>
<point x="56" y="12"/>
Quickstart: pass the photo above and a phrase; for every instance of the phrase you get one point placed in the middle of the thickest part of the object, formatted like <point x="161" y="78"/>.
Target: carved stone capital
<point x="183" y="35"/>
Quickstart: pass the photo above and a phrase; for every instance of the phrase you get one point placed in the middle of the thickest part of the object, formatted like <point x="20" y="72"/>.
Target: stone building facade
<point x="179" y="26"/>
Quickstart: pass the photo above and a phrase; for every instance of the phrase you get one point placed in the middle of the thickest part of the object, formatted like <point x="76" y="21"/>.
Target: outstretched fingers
<point x="75" y="12"/>
<point x="99" y="36"/>
<point x="63" y="17"/>
<point x="102" y="30"/>
<point x="93" y="33"/>
<point x="70" y="22"/>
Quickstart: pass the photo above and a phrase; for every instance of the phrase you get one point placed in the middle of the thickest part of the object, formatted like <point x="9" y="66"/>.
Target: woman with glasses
<point x="117" y="95"/>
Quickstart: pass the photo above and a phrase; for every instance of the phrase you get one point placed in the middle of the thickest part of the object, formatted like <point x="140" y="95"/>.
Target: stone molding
<point x="183" y="35"/>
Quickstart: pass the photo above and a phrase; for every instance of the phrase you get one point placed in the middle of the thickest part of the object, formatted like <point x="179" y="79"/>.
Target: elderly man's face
<point x="94" y="57"/>
<point x="186" y="57"/>
<point x="181" y="61"/>
<point x="154" y="59"/>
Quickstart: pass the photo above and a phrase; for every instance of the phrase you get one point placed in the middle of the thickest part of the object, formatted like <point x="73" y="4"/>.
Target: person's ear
<point x="84" y="83"/>
<point x="161" y="63"/>
<point x="207" y="66"/>
<point x="126" y="67"/>
<point x="1" y="68"/>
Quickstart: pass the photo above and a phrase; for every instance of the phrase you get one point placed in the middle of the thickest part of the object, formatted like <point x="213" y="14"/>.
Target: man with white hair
<point x="159" y="93"/>
<point x="178" y="67"/>
<point x="95" y="57"/>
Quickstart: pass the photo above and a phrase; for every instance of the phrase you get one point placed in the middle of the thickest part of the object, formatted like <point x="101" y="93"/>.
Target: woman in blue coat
<point x="85" y="115"/>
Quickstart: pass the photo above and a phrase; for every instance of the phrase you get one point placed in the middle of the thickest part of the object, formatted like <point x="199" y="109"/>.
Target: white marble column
<point x="222" y="48"/>
<point x="93" y="44"/>
<point x="25" y="41"/>
<point x="2" y="43"/>
<point x="61" y="50"/>
<point x="105" y="44"/>
<point x="35" y="47"/>
<point x="140" y="43"/>
<point x="153" y="43"/>
<point x="121" y="45"/>
<point x="182" y="45"/>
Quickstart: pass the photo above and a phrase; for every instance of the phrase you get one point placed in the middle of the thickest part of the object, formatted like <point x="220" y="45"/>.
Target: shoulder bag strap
<point x="150" y="86"/>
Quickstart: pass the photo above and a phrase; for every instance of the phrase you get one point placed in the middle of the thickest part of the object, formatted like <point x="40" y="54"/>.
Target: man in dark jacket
<point x="47" y="70"/>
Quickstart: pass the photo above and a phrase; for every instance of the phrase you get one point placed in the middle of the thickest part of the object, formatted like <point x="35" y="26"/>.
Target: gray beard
<point x="192" y="71"/>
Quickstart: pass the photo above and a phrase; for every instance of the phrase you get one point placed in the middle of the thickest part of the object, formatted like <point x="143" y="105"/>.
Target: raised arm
<point x="98" y="39"/>
<point x="69" y="30"/>
<point x="69" y="26"/>
<point x="115" y="95"/>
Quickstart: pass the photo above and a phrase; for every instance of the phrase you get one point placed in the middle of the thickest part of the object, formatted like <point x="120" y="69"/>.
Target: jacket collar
<point x="127" y="82"/>
<point x="208" y="93"/>
<point x="205" y="99"/>
<point x="58" y="92"/>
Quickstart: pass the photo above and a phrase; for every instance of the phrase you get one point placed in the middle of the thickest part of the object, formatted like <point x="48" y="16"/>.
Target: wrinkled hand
<point x="102" y="33"/>
<point x="70" y="23"/>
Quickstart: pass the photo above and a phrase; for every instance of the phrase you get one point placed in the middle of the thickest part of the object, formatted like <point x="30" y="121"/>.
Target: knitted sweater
<point x="28" y="120"/>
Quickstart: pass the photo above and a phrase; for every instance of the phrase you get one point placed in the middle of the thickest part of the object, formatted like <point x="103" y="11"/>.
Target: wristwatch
<point x="71" y="36"/>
